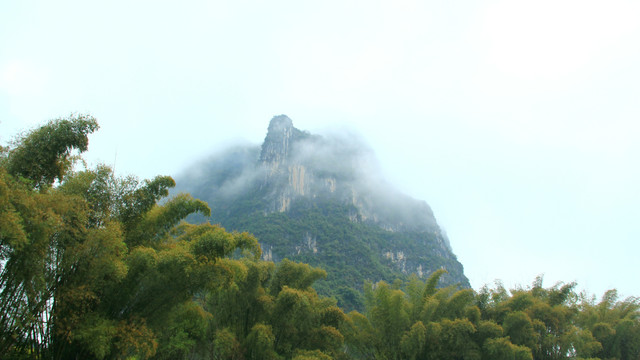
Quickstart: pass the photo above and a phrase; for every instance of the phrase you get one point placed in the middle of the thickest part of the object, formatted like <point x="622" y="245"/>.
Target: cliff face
<point x="285" y="172"/>
<point x="322" y="200"/>
<point x="299" y="164"/>
<point x="281" y="134"/>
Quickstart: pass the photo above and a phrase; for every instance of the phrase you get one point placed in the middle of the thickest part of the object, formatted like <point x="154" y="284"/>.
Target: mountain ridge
<point x="322" y="200"/>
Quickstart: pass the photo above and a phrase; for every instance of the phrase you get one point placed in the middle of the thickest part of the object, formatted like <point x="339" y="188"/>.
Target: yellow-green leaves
<point x="503" y="349"/>
<point x="260" y="343"/>
<point x="226" y="346"/>
<point x="213" y="242"/>
<point x="12" y="198"/>
<point x="414" y="341"/>
<point x="519" y="327"/>
<point x="272" y="311"/>
<point x="96" y="334"/>
<point x="43" y="155"/>
<point x="96" y="266"/>
<point x="295" y="275"/>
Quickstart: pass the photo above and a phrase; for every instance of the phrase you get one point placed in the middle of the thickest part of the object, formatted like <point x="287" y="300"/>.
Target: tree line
<point x="95" y="266"/>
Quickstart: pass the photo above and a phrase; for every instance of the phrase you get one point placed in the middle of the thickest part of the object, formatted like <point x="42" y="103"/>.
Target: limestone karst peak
<point x="319" y="198"/>
<point x="279" y="124"/>
<point x="280" y="135"/>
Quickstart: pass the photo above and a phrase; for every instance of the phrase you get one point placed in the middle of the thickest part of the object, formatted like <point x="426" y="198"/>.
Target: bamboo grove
<point x="94" y="266"/>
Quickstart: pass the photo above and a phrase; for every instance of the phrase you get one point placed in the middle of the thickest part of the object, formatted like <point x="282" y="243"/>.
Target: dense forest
<point x="94" y="266"/>
<point x="339" y="240"/>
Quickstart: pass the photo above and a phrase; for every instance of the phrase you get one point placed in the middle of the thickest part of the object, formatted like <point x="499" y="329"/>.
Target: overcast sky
<point x="517" y="121"/>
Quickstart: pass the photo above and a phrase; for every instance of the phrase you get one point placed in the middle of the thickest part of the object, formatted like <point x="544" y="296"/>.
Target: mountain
<point x="322" y="200"/>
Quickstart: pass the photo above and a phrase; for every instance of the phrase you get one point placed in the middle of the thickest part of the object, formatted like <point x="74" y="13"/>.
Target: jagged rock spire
<point x="276" y="145"/>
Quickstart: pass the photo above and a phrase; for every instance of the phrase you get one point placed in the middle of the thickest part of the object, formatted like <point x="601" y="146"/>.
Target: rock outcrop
<point x="322" y="200"/>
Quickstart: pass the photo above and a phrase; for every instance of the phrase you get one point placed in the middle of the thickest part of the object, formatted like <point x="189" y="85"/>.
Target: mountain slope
<point x="322" y="200"/>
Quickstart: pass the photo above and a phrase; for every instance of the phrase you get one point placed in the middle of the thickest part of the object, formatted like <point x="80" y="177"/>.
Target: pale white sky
<point x="517" y="121"/>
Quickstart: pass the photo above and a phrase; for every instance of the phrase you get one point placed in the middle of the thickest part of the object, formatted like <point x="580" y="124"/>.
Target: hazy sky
<point x="517" y="121"/>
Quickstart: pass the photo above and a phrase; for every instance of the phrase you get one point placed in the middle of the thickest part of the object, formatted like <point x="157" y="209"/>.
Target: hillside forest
<point x="96" y="266"/>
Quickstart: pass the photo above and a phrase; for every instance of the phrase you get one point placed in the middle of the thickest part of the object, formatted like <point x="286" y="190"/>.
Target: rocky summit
<point x="322" y="200"/>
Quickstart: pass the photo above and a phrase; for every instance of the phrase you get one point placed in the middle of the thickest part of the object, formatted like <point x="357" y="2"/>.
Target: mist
<point x="337" y="161"/>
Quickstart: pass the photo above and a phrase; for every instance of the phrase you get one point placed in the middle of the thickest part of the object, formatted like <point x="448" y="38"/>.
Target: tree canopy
<point x="95" y="266"/>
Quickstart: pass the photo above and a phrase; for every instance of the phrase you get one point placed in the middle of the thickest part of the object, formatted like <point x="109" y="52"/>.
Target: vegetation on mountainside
<point x="323" y="201"/>
<point x="321" y="232"/>
<point x="334" y="238"/>
<point x="92" y="266"/>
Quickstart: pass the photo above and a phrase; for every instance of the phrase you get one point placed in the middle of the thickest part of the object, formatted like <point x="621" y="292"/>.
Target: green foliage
<point x="274" y="312"/>
<point x="294" y="275"/>
<point x="413" y="342"/>
<point x="487" y="329"/>
<point x="351" y="251"/>
<point x="519" y="327"/>
<point x="389" y="317"/>
<point x="98" y="267"/>
<point x="311" y="355"/>
<point x="533" y="323"/>
<point x="503" y="349"/>
<point x="423" y="323"/>
<point x="430" y="286"/>
<point x="42" y="156"/>
<point x="185" y="328"/>
<point x="614" y="324"/>
<point x="226" y="346"/>
<point x="95" y="267"/>
<point x="260" y="343"/>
